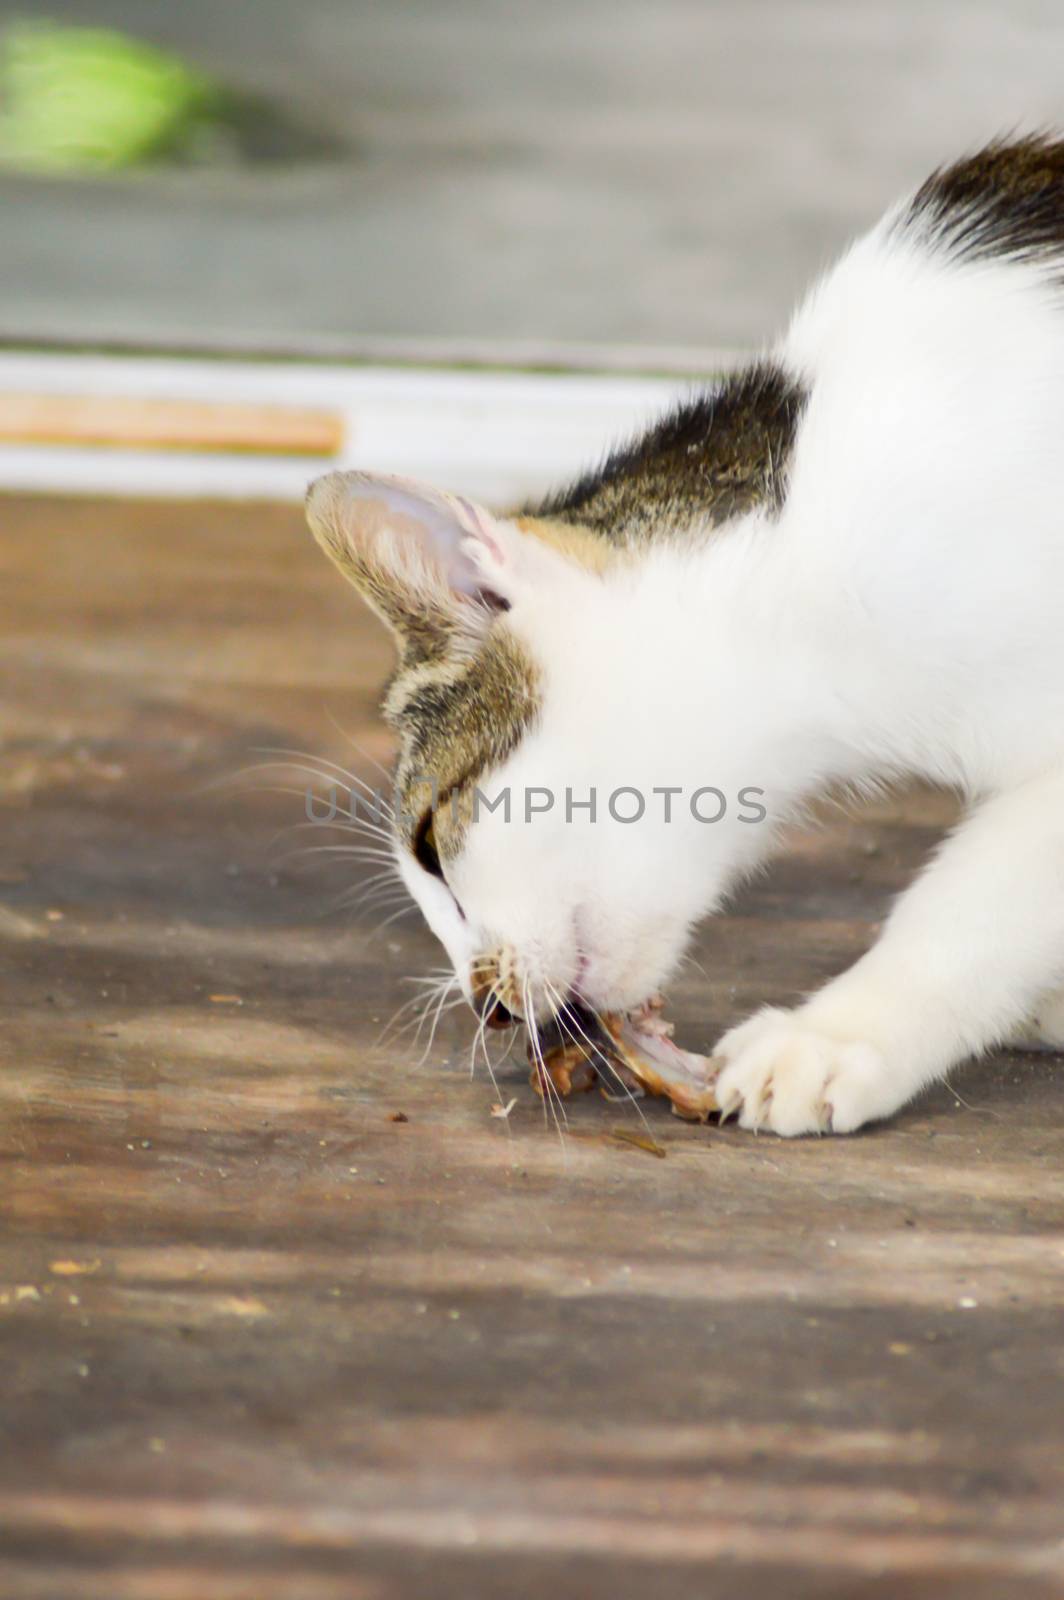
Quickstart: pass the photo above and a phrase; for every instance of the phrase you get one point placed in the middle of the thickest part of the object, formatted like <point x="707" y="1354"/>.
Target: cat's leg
<point x="960" y="964"/>
<point x="1044" y="1028"/>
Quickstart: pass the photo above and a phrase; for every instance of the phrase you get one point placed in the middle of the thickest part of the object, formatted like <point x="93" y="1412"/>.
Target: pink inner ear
<point x="399" y="523"/>
<point x="440" y="524"/>
<point x="481" y="528"/>
<point x="418" y="518"/>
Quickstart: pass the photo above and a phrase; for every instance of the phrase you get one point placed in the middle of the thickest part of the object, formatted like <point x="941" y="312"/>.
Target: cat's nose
<point x="484" y="983"/>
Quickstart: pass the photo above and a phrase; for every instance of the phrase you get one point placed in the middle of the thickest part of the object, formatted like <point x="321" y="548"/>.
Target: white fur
<point x="903" y="618"/>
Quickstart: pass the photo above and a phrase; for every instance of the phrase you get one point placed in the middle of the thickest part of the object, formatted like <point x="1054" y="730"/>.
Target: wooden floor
<point x="262" y="1339"/>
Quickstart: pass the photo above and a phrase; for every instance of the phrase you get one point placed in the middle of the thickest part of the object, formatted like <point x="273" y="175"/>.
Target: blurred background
<point x="583" y="182"/>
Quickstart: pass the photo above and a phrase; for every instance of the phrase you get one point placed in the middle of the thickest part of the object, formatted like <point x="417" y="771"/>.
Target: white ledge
<point x="497" y="435"/>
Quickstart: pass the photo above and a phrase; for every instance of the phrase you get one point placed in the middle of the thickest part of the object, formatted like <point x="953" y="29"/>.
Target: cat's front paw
<point x="782" y="1075"/>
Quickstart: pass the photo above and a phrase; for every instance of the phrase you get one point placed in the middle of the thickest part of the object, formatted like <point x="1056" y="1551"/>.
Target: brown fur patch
<point x="579" y="544"/>
<point x="717" y="457"/>
<point x="457" y="719"/>
<point x="1006" y="200"/>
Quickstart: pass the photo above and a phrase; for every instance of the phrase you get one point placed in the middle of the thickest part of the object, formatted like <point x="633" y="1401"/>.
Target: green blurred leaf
<point x="87" y="99"/>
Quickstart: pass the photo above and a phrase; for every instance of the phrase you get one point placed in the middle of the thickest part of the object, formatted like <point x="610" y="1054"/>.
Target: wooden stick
<point x="124" y="423"/>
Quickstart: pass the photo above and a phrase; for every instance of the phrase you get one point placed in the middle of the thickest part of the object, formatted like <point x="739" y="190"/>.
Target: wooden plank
<point x="259" y="1338"/>
<point x="129" y="423"/>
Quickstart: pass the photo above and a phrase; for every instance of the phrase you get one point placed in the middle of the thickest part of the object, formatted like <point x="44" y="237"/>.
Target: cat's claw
<point x="783" y="1076"/>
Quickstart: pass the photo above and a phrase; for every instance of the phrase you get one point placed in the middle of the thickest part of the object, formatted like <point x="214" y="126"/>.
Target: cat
<point x="842" y="565"/>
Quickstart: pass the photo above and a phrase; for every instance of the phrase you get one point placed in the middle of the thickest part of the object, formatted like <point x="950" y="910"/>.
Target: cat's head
<point x="526" y="680"/>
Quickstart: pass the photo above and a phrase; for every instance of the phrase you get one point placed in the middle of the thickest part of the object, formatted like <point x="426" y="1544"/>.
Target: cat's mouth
<point x="578" y="1047"/>
<point x="498" y="1015"/>
<point x="621" y="1052"/>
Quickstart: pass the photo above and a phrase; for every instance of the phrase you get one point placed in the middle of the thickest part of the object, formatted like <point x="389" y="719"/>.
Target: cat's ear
<point x="428" y="562"/>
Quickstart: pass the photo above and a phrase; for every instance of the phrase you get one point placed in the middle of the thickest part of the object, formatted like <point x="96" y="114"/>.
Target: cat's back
<point x="927" y="478"/>
<point x="923" y="374"/>
<point x="933" y="354"/>
<point x="972" y="260"/>
<point x="983" y="236"/>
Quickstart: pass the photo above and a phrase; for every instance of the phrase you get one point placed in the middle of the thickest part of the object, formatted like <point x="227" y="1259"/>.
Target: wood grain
<point x="260" y="1339"/>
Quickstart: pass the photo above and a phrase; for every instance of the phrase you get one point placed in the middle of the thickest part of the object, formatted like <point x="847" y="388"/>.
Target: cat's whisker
<point x="567" y="1021"/>
<point x="479" y="1033"/>
<point x="440" y="1007"/>
<point x="354" y="894"/>
<point x="346" y="733"/>
<point x="348" y="824"/>
<point x="381" y="886"/>
<point x="362" y="895"/>
<point x="307" y="761"/>
<point x="424" y="1004"/>
<point x="404" y="911"/>
<point x="550" y="1093"/>
<point x="341" y="817"/>
<point x="379" y="883"/>
<point x="383" y="897"/>
<point x="508" y="1052"/>
<point x="482" y="1036"/>
<point x="355" y="851"/>
<point x="338" y="824"/>
<point x="343" y="822"/>
<point x="688" y="960"/>
<point x="433" y="981"/>
<point x="350" y="810"/>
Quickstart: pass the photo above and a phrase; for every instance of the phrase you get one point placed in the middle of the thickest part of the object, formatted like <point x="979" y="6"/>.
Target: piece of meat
<point x="579" y="1048"/>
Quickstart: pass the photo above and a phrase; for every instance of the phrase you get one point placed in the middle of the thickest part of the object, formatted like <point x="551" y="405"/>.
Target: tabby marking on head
<point x="714" y="458"/>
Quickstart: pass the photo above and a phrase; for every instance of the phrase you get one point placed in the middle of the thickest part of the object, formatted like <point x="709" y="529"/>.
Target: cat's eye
<point x="425" y="851"/>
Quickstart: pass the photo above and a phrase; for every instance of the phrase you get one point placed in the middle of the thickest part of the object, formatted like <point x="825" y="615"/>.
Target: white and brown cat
<point x="844" y="564"/>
